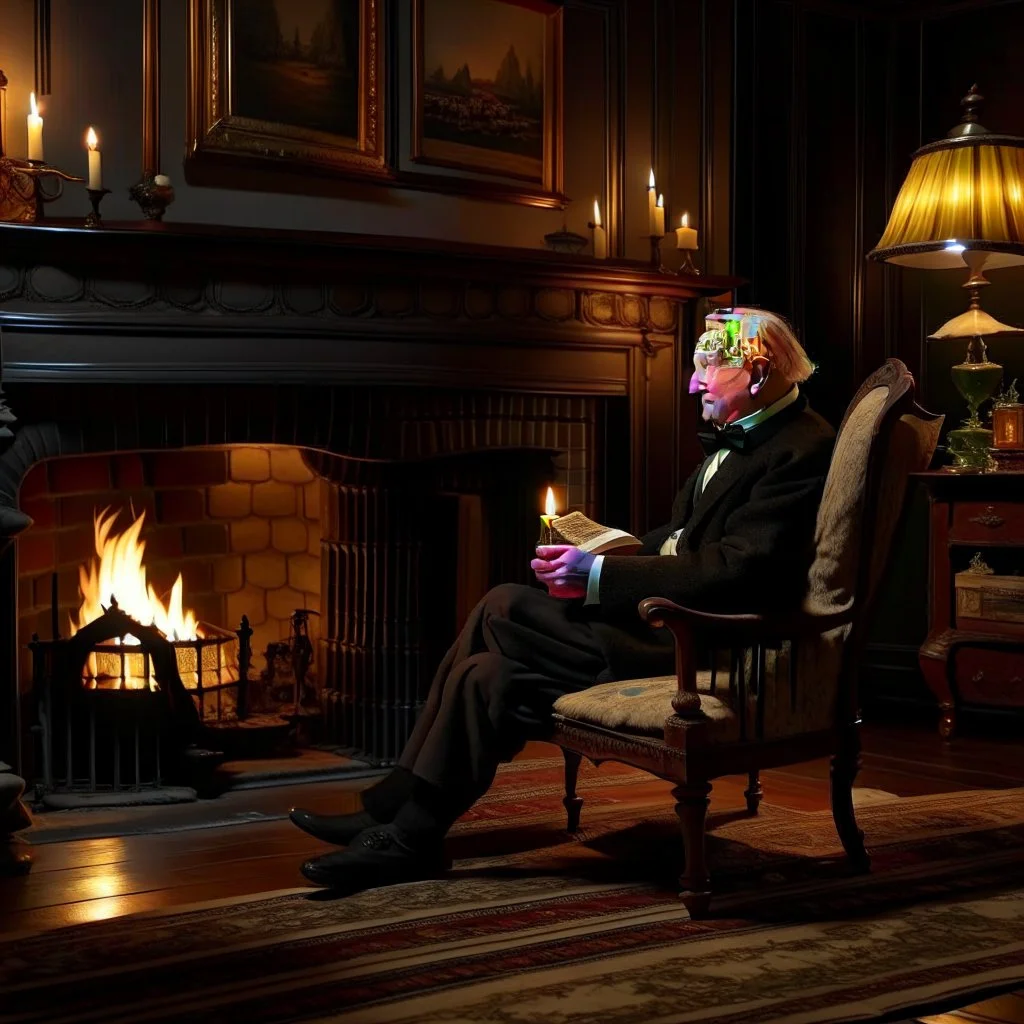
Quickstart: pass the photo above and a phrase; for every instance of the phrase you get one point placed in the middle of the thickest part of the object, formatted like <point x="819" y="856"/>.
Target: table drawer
<point x="997" y="523"/>
<point x="990" y="676"/>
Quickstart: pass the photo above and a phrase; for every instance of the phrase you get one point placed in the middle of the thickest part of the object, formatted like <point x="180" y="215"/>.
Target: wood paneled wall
<point x="830" y="101"/>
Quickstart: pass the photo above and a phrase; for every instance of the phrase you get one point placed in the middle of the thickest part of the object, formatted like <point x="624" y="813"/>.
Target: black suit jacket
<point x="746" y="543"/>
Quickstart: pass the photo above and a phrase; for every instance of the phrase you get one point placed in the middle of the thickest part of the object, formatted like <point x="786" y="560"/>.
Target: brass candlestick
<point x="688" y="267"/>
<point x="656" y="263"/>
<point x="94" y="220"/>
<point x="22" y="198"/>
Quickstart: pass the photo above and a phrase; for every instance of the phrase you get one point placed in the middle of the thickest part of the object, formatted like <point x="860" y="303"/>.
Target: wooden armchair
<point x="779" y="691"/>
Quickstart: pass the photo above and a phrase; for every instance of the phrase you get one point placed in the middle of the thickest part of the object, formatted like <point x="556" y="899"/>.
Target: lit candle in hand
<point x="550" y="515"/>
<point x="600" y="237"/>
<point x="652" y="203"/>
<point x="35" y="131"/>
<point x="95" y="164"/>
<point x="659" y="218"/>
<point x="686" y="237"/>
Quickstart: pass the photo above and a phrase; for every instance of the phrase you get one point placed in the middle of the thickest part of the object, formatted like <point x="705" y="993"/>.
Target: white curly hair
<point x="789" y="360"/>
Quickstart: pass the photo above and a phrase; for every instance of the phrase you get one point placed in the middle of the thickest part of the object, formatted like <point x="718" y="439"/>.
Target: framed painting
<point x="487" y="84"/>
<point x="291" y="84"/>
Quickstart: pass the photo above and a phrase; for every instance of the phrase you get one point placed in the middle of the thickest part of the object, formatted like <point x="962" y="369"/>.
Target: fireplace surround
<point x="428" y="392"/>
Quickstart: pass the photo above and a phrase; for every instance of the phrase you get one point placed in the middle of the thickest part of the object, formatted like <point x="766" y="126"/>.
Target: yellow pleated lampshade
<point x="963" y="192"/>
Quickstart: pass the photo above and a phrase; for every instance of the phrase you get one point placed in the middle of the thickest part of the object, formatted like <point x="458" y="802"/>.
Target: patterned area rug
<point x="572" y="932"/>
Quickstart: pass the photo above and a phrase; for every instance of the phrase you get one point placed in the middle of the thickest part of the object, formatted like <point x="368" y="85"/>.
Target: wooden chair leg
<point x="844" y="767"/>
<point x="695" y="882"/>
<point x="753" y="792"/>
<point x="573" y="804"/>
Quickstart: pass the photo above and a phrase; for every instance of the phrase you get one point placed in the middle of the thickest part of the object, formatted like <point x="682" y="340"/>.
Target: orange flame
<point x="118" y="572"/>
<point x="550" y="508"/>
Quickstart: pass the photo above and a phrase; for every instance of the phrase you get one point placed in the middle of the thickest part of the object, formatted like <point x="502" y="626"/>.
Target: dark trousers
<point x="519" y="651"/>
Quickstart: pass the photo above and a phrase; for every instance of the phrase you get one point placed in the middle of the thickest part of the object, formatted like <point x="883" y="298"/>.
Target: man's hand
<point x="562" y="569"/>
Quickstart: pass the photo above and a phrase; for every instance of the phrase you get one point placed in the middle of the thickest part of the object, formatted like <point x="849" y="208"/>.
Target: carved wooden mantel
<point x="187" y="303"/>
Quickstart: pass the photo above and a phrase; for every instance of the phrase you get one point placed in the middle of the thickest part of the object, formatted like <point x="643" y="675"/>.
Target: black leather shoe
<point x="339" y="829"/>
<point x="379" y="856"/>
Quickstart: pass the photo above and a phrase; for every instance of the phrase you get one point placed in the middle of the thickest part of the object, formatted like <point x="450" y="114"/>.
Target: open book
<point x="579" y="531"/>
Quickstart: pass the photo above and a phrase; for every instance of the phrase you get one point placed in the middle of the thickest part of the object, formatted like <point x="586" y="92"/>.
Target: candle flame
<point x="550" y="508"/>
<point x="661" y="201"/>
<point x="90" y="138"/>
<point x="686" y="220"/>
<point x="32" y="104"/>
<point x="650" y="183"/>
<point x="597" y="214"/>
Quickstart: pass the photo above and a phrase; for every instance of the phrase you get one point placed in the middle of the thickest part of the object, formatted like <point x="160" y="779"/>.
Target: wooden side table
<point x="976" y="657"/>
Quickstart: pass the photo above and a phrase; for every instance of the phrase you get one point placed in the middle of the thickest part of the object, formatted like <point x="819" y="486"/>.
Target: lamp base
<point x="977" y="380"/>
<point x="969" y="447"/>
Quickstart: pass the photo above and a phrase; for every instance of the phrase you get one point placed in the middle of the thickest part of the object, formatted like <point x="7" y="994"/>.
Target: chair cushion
<point x="640" y="706"/>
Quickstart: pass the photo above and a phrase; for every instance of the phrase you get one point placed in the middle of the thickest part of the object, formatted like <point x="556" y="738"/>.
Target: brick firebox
<point x="241" y="525"/>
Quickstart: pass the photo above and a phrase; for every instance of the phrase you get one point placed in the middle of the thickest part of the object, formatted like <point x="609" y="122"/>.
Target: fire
<point x="550" y="508"/>
<point x="118" y="572"/>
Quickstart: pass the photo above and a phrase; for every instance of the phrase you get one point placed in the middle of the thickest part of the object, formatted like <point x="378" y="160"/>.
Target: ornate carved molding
<point x="47" y="288"/>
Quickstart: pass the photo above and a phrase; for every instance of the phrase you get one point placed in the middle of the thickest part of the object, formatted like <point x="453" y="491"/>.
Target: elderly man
<point x="740" y="536"/>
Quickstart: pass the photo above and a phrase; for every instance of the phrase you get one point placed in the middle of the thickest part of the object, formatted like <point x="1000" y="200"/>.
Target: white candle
<point x="549" y="516"/>
<point x="686" y="237"/>
<point x="652" y="203"/>
<point x="600" y="237"/>
<point x="35" y="130"/>
<point x="659" y="218"/>
<point x="95" y="161"/>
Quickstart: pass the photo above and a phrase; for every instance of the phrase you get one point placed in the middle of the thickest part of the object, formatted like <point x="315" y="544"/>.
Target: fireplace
<point x="381" y="557"/>
<point x="369" y="455"/>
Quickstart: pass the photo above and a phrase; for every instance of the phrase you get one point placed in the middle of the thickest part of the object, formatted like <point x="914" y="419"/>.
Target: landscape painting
<point x="488" y="87"/>
<point x="285" y="86"/>
<point x="296" y="63"/>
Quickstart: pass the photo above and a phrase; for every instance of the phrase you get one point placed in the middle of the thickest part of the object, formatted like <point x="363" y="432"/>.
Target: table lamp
<point x="962" y="204"/>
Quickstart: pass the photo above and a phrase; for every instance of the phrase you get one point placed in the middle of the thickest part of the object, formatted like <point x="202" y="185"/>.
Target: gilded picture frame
<point x="272" y="87"/>
<point x="465" y="61"/>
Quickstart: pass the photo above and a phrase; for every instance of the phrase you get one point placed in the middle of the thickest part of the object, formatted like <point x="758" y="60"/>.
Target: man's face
<point x="723" y="369"/>
<point x="724" y="389"/>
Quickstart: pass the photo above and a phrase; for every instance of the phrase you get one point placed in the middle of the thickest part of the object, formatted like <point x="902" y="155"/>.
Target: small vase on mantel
<point x="154" y="193"/>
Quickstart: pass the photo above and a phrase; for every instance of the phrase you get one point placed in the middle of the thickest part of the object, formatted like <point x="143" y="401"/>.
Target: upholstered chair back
<point x="884" y="437"/>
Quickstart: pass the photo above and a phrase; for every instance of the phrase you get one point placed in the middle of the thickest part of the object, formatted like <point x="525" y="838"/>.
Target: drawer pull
<point x="988" y="518"/>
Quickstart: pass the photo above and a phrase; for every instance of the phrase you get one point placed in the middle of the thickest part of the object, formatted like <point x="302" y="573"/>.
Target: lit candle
<point x="548" y="518"/>
<point x="95" y="162"/>
<point x="35" y="130"/>
<point x="686" y="237"/>
<point x="600" y="237"/>
<point x="652" y="203"/>
<point x="659" y="218"/>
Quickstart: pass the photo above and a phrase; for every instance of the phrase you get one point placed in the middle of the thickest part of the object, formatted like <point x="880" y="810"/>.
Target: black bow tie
<point x="730" y="436"/>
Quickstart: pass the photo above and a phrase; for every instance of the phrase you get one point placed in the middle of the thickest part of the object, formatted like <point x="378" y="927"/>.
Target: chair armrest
<point x="745" y="629"/>
<point x="740" y="628"/>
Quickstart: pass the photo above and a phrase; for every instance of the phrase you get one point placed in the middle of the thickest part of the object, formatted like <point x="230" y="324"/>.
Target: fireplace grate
<point x="120" y="719"/>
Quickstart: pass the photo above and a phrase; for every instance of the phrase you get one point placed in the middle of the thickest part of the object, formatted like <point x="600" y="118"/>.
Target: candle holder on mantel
<point x="22" y="197"/>
<point x="688" y="267"/>
<point x="656" y="263"/>
<point x="94" y="220"/>
<point x="153" y="194"/>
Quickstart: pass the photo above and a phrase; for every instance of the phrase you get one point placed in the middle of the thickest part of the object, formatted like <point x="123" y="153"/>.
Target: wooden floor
<point x="94" y="879"/>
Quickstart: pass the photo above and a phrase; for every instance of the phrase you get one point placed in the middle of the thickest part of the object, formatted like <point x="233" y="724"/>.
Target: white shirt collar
<point x="760" y="415"/>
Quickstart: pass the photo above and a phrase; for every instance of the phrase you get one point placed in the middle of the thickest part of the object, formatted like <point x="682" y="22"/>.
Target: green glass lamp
<point x="962" y="205"/>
